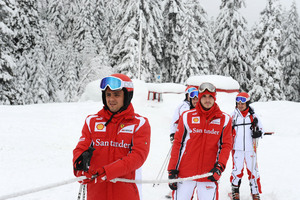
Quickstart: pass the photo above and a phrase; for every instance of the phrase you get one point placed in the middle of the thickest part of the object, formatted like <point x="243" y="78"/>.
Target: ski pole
<point x="83" y="193"/>
<point x="79" y="192"/>
<point x="163" y="167"/>
<point x="254" y="160"/>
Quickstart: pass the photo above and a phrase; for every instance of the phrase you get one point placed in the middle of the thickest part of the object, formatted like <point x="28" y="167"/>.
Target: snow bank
<point x="92" y="92"/>
<point x="221" y="82"/>
<point x="166" y="87"/>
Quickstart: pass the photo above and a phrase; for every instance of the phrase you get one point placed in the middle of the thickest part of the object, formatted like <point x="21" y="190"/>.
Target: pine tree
<point x="171" y="39"/>
<point x="125" y="52"/>
<point x="70" y="79"/>
<point x="91" y="44"/>
<point x="124" y="48"/>
<point x="7" y="63"/>
<point x="196" y="52"/>
<point x="152" y="33"/>
<point x="232" y="47"/>
<point x="30" y="68"/>
<point x="267" y="67"/>
<point x="56" y="48"/>
<point x="290" y="55"/>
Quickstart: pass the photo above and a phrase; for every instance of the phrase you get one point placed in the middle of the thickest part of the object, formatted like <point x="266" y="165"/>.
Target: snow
<point x="166" y="87"/>
<point x="37" y="143"/>
<point x="221" y="82"/>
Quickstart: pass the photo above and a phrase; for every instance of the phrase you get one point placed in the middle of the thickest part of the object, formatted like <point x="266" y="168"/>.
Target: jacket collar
<point x="213" y="112"/>
<point x="115" y="117"/>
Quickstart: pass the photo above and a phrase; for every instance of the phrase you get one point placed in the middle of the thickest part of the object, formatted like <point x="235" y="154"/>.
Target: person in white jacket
<point x="247" y="128"/>
<point x="190" y="101"/>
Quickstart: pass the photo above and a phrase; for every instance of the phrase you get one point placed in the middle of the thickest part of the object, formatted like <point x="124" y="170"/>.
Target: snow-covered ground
<point x="36" y="144"/>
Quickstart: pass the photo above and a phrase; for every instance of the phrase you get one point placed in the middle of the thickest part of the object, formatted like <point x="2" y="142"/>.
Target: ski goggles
<point x="241" y="99"/>
<point x="114" y="83"/>
<point x="207" y="86"/>
<point x="193" y="94"/>
<point x="190" y="90"/>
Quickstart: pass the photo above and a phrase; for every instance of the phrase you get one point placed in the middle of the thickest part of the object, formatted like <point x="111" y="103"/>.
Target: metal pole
<point x="140" y="40"/>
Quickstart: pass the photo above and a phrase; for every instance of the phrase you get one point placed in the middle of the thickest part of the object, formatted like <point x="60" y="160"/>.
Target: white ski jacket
<point x="243" y="140"/>
<point x="184" y="106"/>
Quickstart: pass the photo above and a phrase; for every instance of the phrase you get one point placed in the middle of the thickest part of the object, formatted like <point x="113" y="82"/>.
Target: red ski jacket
<point x="121" y="148"/>
<point x="202" y="139"/>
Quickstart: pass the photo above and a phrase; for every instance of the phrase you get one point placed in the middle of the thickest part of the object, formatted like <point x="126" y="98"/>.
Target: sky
<point x="250" y="12"/>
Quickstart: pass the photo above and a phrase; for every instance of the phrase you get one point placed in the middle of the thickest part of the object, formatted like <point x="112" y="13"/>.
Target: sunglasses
<point x="207" y="86"/>
<point x="114" y="83"/>
<point x="241" y="99"/>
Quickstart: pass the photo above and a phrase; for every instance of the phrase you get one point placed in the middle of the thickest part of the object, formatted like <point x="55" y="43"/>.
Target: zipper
<point x="244" y="135"/>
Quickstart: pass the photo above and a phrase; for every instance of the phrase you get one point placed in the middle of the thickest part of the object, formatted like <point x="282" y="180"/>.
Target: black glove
<point x="83" y="161"/>
<point x="173" y="174"/>
<point x="217" y="171"/>
<point x="172" y="137"/>
<point x="256" y="134"/>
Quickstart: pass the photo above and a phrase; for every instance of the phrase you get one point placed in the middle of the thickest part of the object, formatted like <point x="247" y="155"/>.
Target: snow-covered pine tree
<point x="232" y="46"/>
<point x="152" y="33"/>
<point x="30" y="69"/>
<point x="71" y="79"/>
<point x="39" y="78"/>
<point x="51" y="49"/>
<point x="7" y="63"/>
<point x="71" y="62"/>
<point x="50" y="45"/>
<point x="105" y="15"/>
<point x="290" y="55"/>
<point x="56" y="47"/>
<point x="171" y="39"/>
<point x="125" y="52"/>
<point x="124" y="48"/>
<point x="91" y="43"/>
<point x="268" y="69"/>
<point x="196" y="53"/>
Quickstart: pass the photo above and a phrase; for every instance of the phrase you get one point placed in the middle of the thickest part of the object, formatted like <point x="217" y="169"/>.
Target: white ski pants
<point x="205" y="190"/>
<point x="249" y="158"/>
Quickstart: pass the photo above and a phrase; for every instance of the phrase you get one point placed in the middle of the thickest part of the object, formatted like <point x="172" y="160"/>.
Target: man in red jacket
<point x="202" y="144"/>
<point x="114" y="144"/>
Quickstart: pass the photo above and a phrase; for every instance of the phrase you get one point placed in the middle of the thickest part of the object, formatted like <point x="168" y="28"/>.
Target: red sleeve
<point x="226" y="143"/>
<point x="136" y="158"/>
<point x="175" y="153"/>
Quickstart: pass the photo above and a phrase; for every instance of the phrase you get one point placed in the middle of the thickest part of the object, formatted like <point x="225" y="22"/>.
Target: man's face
<point x="207" y="101"/>
<point x="114" y="99"/>
<point x="241" y="106"/>
<point x="194" y="101"/>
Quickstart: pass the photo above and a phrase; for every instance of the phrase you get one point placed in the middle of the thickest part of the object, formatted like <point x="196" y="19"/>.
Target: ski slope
<point x="36" y="144"/>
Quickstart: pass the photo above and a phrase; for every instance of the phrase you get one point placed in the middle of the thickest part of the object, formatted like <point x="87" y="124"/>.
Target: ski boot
<point x="235" y="192"/>
<point x="255" y="197"/>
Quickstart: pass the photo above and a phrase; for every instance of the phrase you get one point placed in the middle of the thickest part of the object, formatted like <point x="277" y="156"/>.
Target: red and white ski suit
<point x="243" y="150"/>
<point x="202" y="139"/>
<point x="121" y="148"/>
